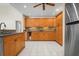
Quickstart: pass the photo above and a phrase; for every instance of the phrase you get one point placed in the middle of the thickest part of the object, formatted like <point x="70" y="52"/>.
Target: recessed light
<point x="25" y="6"/>
<point x="57" y="9"/>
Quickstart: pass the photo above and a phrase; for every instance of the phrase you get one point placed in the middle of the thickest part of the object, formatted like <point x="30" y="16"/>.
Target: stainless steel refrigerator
<point x="71" y="29"/>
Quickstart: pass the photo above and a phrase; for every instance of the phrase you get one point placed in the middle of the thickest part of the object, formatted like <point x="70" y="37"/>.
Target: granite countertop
<point x="9" y="34"/>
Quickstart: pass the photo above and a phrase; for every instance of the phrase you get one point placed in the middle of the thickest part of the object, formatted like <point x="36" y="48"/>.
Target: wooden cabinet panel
<point x="25" y="20"/>
<point x="40" y="22"/>
<point x="26" y="36"/>
<point x="44" y="35"/>
<point x="59" y="29"/>
<point x="13" y="44"/>
<point x="59" y="19"/>
<point x="9" y="46"/>
<point x="52" y="35"/>
<point x="59" y="35"/>
<point x="20" y="42"/>
<point x="35" y="36"/>
<point x="51" y="22"/>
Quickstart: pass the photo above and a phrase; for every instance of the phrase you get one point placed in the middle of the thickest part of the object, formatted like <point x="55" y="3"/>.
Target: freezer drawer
<point x="75" y="42"/>
<point x="68" y="37"/>
<point x="72" y="40"/>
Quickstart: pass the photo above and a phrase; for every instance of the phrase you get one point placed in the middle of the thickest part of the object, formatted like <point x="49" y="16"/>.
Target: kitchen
<point x="21" y="25"/>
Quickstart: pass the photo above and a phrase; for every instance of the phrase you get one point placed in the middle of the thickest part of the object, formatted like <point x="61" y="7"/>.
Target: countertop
<point x="1" y="35"/>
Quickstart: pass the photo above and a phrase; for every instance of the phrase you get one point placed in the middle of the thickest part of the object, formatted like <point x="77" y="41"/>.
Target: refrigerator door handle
<point x="73" y="23"/>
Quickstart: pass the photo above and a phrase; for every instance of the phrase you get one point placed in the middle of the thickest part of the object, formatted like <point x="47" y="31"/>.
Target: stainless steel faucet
<point x="1" y="24"/>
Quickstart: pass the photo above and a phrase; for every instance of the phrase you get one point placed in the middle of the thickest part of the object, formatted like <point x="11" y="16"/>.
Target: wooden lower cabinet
<point x="59" y="25"/>
<point x="35" y="35"/>
<point x="26" y="36"/>
<point x="20" y="42"/>
<point x="9" y="46"/>
<point x="13" y="44"/>
<point x="18" y="45"/>
<point x="52" y="35"/>
<point x="43" y="35"/>
<point x="59" y="36"/>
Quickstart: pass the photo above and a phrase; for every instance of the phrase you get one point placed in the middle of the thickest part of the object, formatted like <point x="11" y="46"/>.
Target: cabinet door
<point x="47" y="35"/>
<point x="42" y="22"/>
<point x="59" y="19"/>
<point x="9" y="46"/>
<point x="51" y="35"/>
<point x="26" y="36"/>
<point x="20" y="42"/>
<point x="43" y="35"/>
<point x="59" y="31"/>
<point x="18" y="45"/>
<point x="59" y="35"/>
<point x="35" y="36"/>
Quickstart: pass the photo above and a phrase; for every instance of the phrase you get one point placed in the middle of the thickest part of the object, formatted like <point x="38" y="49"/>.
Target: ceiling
<point x="28" y="10"/>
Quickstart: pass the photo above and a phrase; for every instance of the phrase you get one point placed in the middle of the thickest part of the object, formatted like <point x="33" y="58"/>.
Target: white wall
<point x="10" y="15"/>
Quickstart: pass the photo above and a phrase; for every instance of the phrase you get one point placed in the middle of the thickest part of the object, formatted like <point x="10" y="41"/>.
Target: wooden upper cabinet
<point x="40" y="22"/>
<point x="25" y="20"/>
<point x="59" y="18"/>
<point x="60" y="35"/>
<point x="59" y="31"/>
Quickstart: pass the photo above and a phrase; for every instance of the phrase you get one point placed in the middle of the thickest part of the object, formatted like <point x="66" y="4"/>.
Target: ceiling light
<point x="25" y="6"/>
<point x="57" y="10"/>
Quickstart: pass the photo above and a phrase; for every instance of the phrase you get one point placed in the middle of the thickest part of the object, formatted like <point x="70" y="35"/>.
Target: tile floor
<point x="42" y="48"/>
